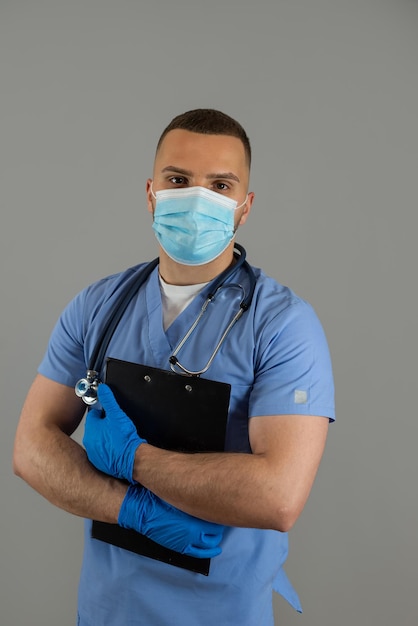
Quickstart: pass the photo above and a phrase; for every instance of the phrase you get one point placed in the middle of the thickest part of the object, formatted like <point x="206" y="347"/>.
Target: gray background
<point x="328" y="93"/>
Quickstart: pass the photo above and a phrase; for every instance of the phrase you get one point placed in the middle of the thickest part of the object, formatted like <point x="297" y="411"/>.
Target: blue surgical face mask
<point x="194" y="225"/>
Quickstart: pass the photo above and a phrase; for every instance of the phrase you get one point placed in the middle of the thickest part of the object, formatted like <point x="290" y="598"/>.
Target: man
<point x="236" y="505"/>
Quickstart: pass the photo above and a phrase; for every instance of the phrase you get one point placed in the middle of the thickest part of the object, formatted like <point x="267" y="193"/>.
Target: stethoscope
<point x="86" y="388"/>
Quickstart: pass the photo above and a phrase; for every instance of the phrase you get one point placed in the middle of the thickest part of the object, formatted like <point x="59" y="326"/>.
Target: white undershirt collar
<point x="175" y="298"/>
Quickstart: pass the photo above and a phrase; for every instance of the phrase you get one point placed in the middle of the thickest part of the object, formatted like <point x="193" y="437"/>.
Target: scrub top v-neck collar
<point x="162" y="342"/>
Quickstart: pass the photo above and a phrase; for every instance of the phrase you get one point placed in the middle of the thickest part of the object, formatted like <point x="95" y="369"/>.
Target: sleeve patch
<point x="301" y="396"/>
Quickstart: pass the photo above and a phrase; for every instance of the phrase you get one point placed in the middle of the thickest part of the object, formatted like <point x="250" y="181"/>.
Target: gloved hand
<point x="146" y="513"/>
<point x="111" y="441"/>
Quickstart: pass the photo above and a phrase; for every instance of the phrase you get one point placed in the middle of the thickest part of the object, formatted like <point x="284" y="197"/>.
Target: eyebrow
<point x="179" y="170"/>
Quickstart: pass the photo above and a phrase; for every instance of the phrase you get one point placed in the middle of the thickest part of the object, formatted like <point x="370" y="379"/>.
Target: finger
<point x="210" y="540"/>
<point x="202" y="553"/>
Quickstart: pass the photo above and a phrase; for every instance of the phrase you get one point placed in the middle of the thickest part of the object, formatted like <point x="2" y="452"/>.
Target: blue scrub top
<point x="276" y="360"/>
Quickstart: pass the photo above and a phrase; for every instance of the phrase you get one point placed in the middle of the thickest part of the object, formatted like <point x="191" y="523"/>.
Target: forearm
<point x="227" y="488"/>
<point x="57" y="467"/>
<point x="265" y="489"/>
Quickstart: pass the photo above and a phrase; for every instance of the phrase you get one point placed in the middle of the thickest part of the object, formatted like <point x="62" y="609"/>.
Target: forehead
<point x="211" y="153"/>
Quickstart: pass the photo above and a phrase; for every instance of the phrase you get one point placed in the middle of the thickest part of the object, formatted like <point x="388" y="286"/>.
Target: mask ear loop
<point x="236" y="208"/>
<point x="241" y="205"/>
<point x="152" y="191"/>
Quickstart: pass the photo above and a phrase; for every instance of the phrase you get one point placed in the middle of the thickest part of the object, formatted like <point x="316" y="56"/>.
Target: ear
<point x="247" y="208"/>
<point x="150" y="198"/>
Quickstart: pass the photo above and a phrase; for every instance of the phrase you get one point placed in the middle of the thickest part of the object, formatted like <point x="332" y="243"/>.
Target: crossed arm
<point x="55" y="465"/>
<point x="266" y="489"/>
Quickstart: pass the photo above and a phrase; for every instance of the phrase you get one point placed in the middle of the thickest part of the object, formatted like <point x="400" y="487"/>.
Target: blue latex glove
<point x="111" y="441"/>
<point x="156" y="519"/>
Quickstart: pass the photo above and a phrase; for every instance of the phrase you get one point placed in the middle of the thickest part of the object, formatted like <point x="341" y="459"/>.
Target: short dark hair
<point x="209" y="122"/>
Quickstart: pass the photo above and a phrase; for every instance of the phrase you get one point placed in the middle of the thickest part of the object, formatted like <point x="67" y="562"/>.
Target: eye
<point x="178" y="180"/>
<point x="219" y="186"/>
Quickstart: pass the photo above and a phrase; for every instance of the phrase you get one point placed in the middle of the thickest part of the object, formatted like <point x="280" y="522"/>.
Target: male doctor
<point x="235" y="506"/>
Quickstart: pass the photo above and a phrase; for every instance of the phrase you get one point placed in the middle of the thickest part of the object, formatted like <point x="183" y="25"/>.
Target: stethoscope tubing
<point x="86" y="388"/>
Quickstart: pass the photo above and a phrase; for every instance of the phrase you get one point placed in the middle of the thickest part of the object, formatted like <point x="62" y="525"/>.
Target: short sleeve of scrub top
<point x="293" y="368"/>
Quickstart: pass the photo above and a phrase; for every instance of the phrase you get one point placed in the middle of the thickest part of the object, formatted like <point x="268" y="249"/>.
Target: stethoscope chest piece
<point x="86" y="388"/>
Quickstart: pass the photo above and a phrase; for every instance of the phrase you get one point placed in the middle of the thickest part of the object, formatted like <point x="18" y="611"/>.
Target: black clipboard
<point x="173" y="412"/>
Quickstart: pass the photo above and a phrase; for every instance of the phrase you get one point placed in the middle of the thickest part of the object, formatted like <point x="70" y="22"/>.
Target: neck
<point x="177" y="274"/>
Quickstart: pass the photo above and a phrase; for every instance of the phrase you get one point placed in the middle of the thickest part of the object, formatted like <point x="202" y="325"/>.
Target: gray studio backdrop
<point x="328" y="93"/>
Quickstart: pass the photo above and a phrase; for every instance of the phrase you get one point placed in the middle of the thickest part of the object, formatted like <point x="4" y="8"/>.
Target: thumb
<point x="94" y="414"/>
<point x="107" y="399"/>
